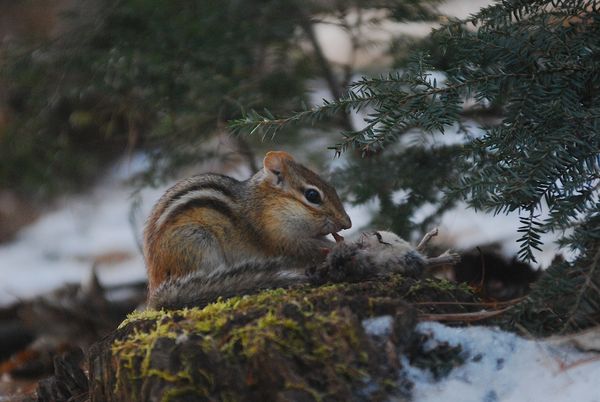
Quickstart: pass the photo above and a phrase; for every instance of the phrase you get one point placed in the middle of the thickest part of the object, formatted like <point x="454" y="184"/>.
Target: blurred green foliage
<point x="156" y="75"/>
<point x="404" y="181"/>
<point x="159" y="76"/>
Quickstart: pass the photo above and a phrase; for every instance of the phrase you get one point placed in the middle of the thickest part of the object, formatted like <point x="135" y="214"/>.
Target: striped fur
<point x="207" y="186"/>
<point x="206" y="198"/>
<point x="199" y="289"/>
<point x="207" y="229"/>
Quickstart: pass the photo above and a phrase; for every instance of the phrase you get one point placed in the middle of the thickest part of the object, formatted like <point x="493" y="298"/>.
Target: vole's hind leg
<point x="448" y="258"/>
<point x="425" y="240"/>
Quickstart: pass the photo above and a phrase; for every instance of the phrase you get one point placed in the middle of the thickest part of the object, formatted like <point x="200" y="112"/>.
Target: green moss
<point x="306" y="340"/>
<point x="175" y="393"/>
<point x="440" y="285"/>
<point x="317" y="396"/>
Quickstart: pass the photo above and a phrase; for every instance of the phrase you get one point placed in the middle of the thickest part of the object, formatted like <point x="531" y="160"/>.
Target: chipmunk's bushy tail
<point x="200" y="288"/>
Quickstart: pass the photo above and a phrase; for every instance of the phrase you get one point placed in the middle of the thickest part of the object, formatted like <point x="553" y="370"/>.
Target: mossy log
<point x="303" y="344"/>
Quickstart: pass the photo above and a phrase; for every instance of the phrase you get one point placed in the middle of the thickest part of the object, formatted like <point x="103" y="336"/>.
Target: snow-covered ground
<point x="63" y="245"/>
<point x="501" y="366"/>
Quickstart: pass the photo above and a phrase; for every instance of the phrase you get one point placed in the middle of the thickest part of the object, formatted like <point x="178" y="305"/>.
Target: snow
<point x="501" y="366"/>
<point x="63" y="245"/>
<point x="378" y="326"/>
<point x="337" y="46"/>
<point x="464" y="228"/>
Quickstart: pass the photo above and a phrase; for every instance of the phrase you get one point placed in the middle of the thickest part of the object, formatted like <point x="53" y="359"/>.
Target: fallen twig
<point x="466" y="317"/>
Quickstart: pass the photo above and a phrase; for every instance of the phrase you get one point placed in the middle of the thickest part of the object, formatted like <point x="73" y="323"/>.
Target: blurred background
<point x="104" y="104"/>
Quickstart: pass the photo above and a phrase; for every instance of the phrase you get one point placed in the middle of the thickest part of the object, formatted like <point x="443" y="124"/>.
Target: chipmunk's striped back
<point x="208" y="190"/>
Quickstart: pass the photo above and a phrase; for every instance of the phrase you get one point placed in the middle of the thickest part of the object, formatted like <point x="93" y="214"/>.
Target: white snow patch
<point x="63" y="245"/>
<point x="337" y="46"/>
<point x="378" y="326"/>
<point x="501" y="366"/>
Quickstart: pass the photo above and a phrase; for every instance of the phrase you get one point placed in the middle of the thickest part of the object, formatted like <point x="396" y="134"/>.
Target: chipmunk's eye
<point x="312" y="196"/>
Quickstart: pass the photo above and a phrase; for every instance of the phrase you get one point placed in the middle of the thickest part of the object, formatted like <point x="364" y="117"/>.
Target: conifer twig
<point x="464" y="317"/>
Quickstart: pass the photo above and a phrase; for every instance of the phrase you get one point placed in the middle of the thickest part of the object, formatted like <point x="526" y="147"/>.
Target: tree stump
<point x="334" y="342"/>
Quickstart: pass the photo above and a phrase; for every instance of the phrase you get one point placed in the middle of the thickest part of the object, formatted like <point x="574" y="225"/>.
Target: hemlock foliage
<point x="538" y="64"/>
<point x="531" y="67"/>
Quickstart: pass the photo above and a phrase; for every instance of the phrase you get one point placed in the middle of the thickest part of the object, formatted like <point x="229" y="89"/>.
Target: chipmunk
<point x="212" y="236"/>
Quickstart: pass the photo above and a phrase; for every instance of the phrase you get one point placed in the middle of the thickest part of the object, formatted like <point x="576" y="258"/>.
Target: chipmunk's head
<point x="300" y="199"/>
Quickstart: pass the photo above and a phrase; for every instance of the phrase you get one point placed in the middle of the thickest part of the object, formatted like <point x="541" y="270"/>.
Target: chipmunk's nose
<point x="345" y="222"/>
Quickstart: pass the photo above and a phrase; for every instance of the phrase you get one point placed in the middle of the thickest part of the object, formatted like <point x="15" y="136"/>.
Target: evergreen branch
<point x="539" y="74"/>
<point x="368" y="137"/>
<point x="531" y="229"/>
<point x="506" y="13"/>
<point x="253" y="121"/>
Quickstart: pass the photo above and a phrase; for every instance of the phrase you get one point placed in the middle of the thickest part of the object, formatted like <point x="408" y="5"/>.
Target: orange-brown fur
<point x="263" y="217"/>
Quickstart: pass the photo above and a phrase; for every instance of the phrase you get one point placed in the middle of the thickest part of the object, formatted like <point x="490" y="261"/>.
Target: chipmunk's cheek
<point x="298" y="223"/>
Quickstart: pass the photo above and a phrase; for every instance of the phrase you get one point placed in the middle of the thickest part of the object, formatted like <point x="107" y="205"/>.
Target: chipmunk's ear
<point x="275" y="166"/>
